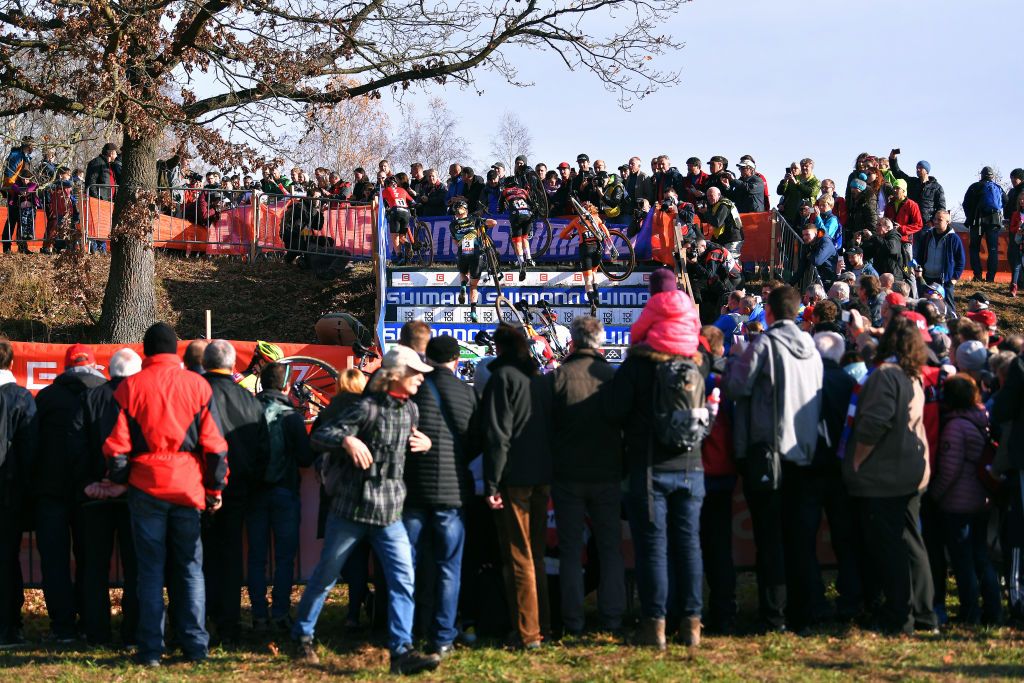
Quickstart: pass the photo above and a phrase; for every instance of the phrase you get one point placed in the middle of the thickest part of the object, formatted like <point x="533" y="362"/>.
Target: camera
<point x="194" y="177"/>
<point x="668" y="203"/>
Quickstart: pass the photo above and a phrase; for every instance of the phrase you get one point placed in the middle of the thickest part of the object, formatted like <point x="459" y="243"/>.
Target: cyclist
<point x="590" y="248"/>
<point x="466" y="230"/>
<point x="263" y="355"/>
<point x="521" y="210"/>
<point x="397" y="202"/>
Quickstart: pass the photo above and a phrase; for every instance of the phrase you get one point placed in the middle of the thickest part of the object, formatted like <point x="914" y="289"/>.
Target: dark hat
<point x="1017" y="173"/>
<point x="624" y="167"/>
<point x="159" y="338"/>
<point x="693" y="161"/>
<point x="719" y="159"/>
<point x="979" y="297"/>
<point x="855" y="250"/>
<point x="443" y="349"/>
<point x="663" y="280"/>
<point x="498" y="164"/>
<point x="987" y="172"/>
<point x="582" y="157"/>
<point x="522" y="158"/>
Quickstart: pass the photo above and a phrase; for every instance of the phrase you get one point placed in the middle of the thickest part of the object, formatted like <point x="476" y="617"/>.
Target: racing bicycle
<point x="417" y="244"/>
<point x="312" y="384"/>
<point x="618" y="260"/>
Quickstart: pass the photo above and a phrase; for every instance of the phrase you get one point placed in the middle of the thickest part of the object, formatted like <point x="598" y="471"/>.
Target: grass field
<point x="831" y="654"/>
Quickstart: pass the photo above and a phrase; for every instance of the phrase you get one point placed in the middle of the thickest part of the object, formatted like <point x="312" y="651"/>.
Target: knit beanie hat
<point x="663" y="280"/>
<point x="925" y="165"/>
<point x="858" y="184"/>
<point x="159" y="338"/>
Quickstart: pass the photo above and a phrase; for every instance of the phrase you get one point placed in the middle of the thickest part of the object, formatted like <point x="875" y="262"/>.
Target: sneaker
<point x="473" y="317"/>
<point x="530" y="262"/>
<point x="462" y="295"/>
<point x="306" y="653"/>
<point x="148" y="662"/>
<point x="522" y="272"/>
<point x="413" y="662"/>
<point x="442" y="651"/>
<point x="593" y="308"/>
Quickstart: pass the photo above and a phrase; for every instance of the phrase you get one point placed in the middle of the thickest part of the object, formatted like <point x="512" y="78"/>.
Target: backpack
<point x="991" y="198"/>
<point x="278" y="465"/>
<point x="680" y="416"/>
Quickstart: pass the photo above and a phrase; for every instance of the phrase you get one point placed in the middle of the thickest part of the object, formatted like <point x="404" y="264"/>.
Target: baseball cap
<point x="582" y="157"/>
<point x="971" y="356"/>
<point x="895" y="299"/>
<point x="498" y="164"/>
<point x="747" y="164"/>
<point x="919" y="320"/>
<point x="78" y="355"/>
<point x="984" y="317"/>
<point x="402" y="357"/>
<point x="564" y="164"/>
<point x="980" y="299"/>
<point x="854" y="250"/>
<point x="443" y="349"/>
<point x="936" y="288"/>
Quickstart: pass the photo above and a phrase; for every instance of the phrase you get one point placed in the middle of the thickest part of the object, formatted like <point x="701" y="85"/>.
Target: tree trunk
<point x="129" y="302"/>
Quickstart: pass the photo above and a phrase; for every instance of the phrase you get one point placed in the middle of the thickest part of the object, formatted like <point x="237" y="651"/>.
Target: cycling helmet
<point x="459" y="202"/>
<point x="269" y="351"/>
<point x="391" y="181"/>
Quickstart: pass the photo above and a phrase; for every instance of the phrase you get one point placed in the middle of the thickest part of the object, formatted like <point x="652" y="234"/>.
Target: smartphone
<point x="897" y="151"/>
<point x="786" y="172"/>
<point x="845" y="316"/>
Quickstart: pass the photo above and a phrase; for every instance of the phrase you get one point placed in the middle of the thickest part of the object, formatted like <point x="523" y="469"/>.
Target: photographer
<point x="301" y="224"/>
<point x="747" y="192"/>
<point x="714" y="273"/>
<point x="817" y="259"/>
<point x="610" y="194"/>
<point x="723" y="216"/>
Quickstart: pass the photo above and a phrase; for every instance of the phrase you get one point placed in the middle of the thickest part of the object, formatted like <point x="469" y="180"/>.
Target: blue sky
<point x="786" y="79"/>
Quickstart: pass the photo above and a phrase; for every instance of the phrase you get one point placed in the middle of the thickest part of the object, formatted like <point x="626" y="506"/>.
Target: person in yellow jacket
<point x="263" y="355"/>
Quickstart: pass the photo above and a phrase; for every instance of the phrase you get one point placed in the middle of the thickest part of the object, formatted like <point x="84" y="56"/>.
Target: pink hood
<point x="669" y="323"/>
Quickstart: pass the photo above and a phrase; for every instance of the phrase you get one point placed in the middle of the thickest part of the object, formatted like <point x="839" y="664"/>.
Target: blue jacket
<point x="16" y="162"/>
<point x="456" y="188"/>
<point x="952" y="252"/>
<point x="829" y="224"/>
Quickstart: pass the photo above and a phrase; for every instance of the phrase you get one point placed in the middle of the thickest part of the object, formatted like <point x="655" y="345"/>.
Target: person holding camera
<point x="714" y="273"/>
<point x="725" y="220"/>
<point x="795" y="188"/>
<point x="748" y="191"/>
<point x="817" y="258"/>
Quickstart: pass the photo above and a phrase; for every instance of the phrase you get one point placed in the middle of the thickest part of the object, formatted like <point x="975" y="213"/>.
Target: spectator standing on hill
<point x="167" y="448"/>
<point x="921" y="188"/>
<point x="983" y="205"/>
<point x="940" y="252"/>
<point x="17" y="450"/>
<point x="103" y="174"/>
<point x="795" y="188"/>
<point x="102" y="519"/>
<point x="58" y="528"/>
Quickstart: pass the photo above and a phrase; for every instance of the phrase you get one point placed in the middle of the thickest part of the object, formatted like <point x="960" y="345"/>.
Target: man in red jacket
<point x="168" y="449"/>
<point x="905" y="215"/>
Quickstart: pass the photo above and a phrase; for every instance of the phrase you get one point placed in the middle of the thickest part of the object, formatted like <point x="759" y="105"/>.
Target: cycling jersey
<point x="397" y="197"/>
<point x="517" y="201"/>
<point x="586" y="234"/>
<point x="466" y="234"/>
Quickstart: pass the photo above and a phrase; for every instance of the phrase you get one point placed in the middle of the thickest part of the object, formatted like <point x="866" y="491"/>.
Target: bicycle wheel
<point x="312" y="384"/>
<point x="507" y="312"/>
<point x="622" y="266"/>
<point x="491" y="263"/>
<point x="422" y="250"/>
<point x="541" y="240"/>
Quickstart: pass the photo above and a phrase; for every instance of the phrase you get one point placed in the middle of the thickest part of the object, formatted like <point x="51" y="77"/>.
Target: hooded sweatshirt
<point x="669" y="324"/>
<point x="797" y="388"/>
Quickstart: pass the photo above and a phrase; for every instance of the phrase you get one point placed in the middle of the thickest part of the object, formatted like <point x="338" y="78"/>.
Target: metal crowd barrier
<point x="246" y="223"/>
<point x="786" y="251"/>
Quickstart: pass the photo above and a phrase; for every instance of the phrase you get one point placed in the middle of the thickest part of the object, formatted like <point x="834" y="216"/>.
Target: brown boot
<point x="651" y="633"/>
<point x="689" y="632"/>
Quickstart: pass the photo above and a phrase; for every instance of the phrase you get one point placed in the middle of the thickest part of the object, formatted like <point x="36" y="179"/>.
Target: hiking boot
<point x="522" y="271"/>
<point x="651" y="633"/>
<point x="306" y="653"/>
<point x="413" y="662"/>
<point x="689" y="632"/>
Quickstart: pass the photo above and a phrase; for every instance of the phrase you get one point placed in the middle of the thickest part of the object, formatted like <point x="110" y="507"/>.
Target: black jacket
<point x="515" y="414"/>
<point x="1008" y="406"/>
<point x="18" y="447"/>
<point x="886" y="253"/>
<point x="59" y="408"/>
<point x="98" y="173"/>
<point x="861" y="214"/>
<point x="335" y="408"/>
<point x="241" y="423"/>
<point x="433" y="200"/>
<point x="976" y="217"/>
<point x="586" y="446"/>
<point x="91" y="428"/>
<point x="296" y="439"/>
<point x="629" y="401"/>
<point x="440" y="477"/>
<point x="837" y="387"/>
<point x="1012" y="198"/>
<point x="929" y="195"/>
<point x="474" y="195"/>
<point x="747" y="194"/>
<point x="721" y="216"/>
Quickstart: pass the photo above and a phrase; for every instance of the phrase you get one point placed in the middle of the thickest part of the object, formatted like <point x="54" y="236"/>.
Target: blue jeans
<point x="391" y="544"/>
<point x="966" y="539"/>
<point x="667" y="542"/>
<point x="444" y="531"/>
<point x="990" y="234"/>
<point x="1013" y="254"/>
<point x="272" y="510"/>
<point x="168" y="536"/>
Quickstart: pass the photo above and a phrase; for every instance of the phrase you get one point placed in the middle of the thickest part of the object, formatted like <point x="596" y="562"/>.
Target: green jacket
<point x="793" y="193"/>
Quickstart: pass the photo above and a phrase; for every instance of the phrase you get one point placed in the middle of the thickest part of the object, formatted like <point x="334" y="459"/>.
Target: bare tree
<point x="431" y="138"/>
<point x="136" y="62"/>
<point x="511" y="139"/>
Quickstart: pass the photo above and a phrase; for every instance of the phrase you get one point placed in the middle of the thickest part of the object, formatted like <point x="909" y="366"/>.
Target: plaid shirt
<point x="384" y="423"/>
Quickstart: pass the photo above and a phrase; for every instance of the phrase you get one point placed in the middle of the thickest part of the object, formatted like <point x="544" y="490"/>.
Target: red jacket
<point x="908" y="216"/>
<point x="716" y="453"/>
<point x="167" y="440"/>
<point x="397" y="196"/>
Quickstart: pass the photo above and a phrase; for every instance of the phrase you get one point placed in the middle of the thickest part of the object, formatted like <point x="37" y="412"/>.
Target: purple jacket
<point x="956" y="486"/>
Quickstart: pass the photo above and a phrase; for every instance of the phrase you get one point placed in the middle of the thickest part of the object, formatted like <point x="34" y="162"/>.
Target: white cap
<point x="749" y="164"/>
<point x="404" y="357"/>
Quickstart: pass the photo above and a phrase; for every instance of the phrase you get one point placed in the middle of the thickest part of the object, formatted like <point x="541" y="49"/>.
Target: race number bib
<point x="520" y="205"/>
<point x="468" y="244"/>
<point x="400" y="203"/>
